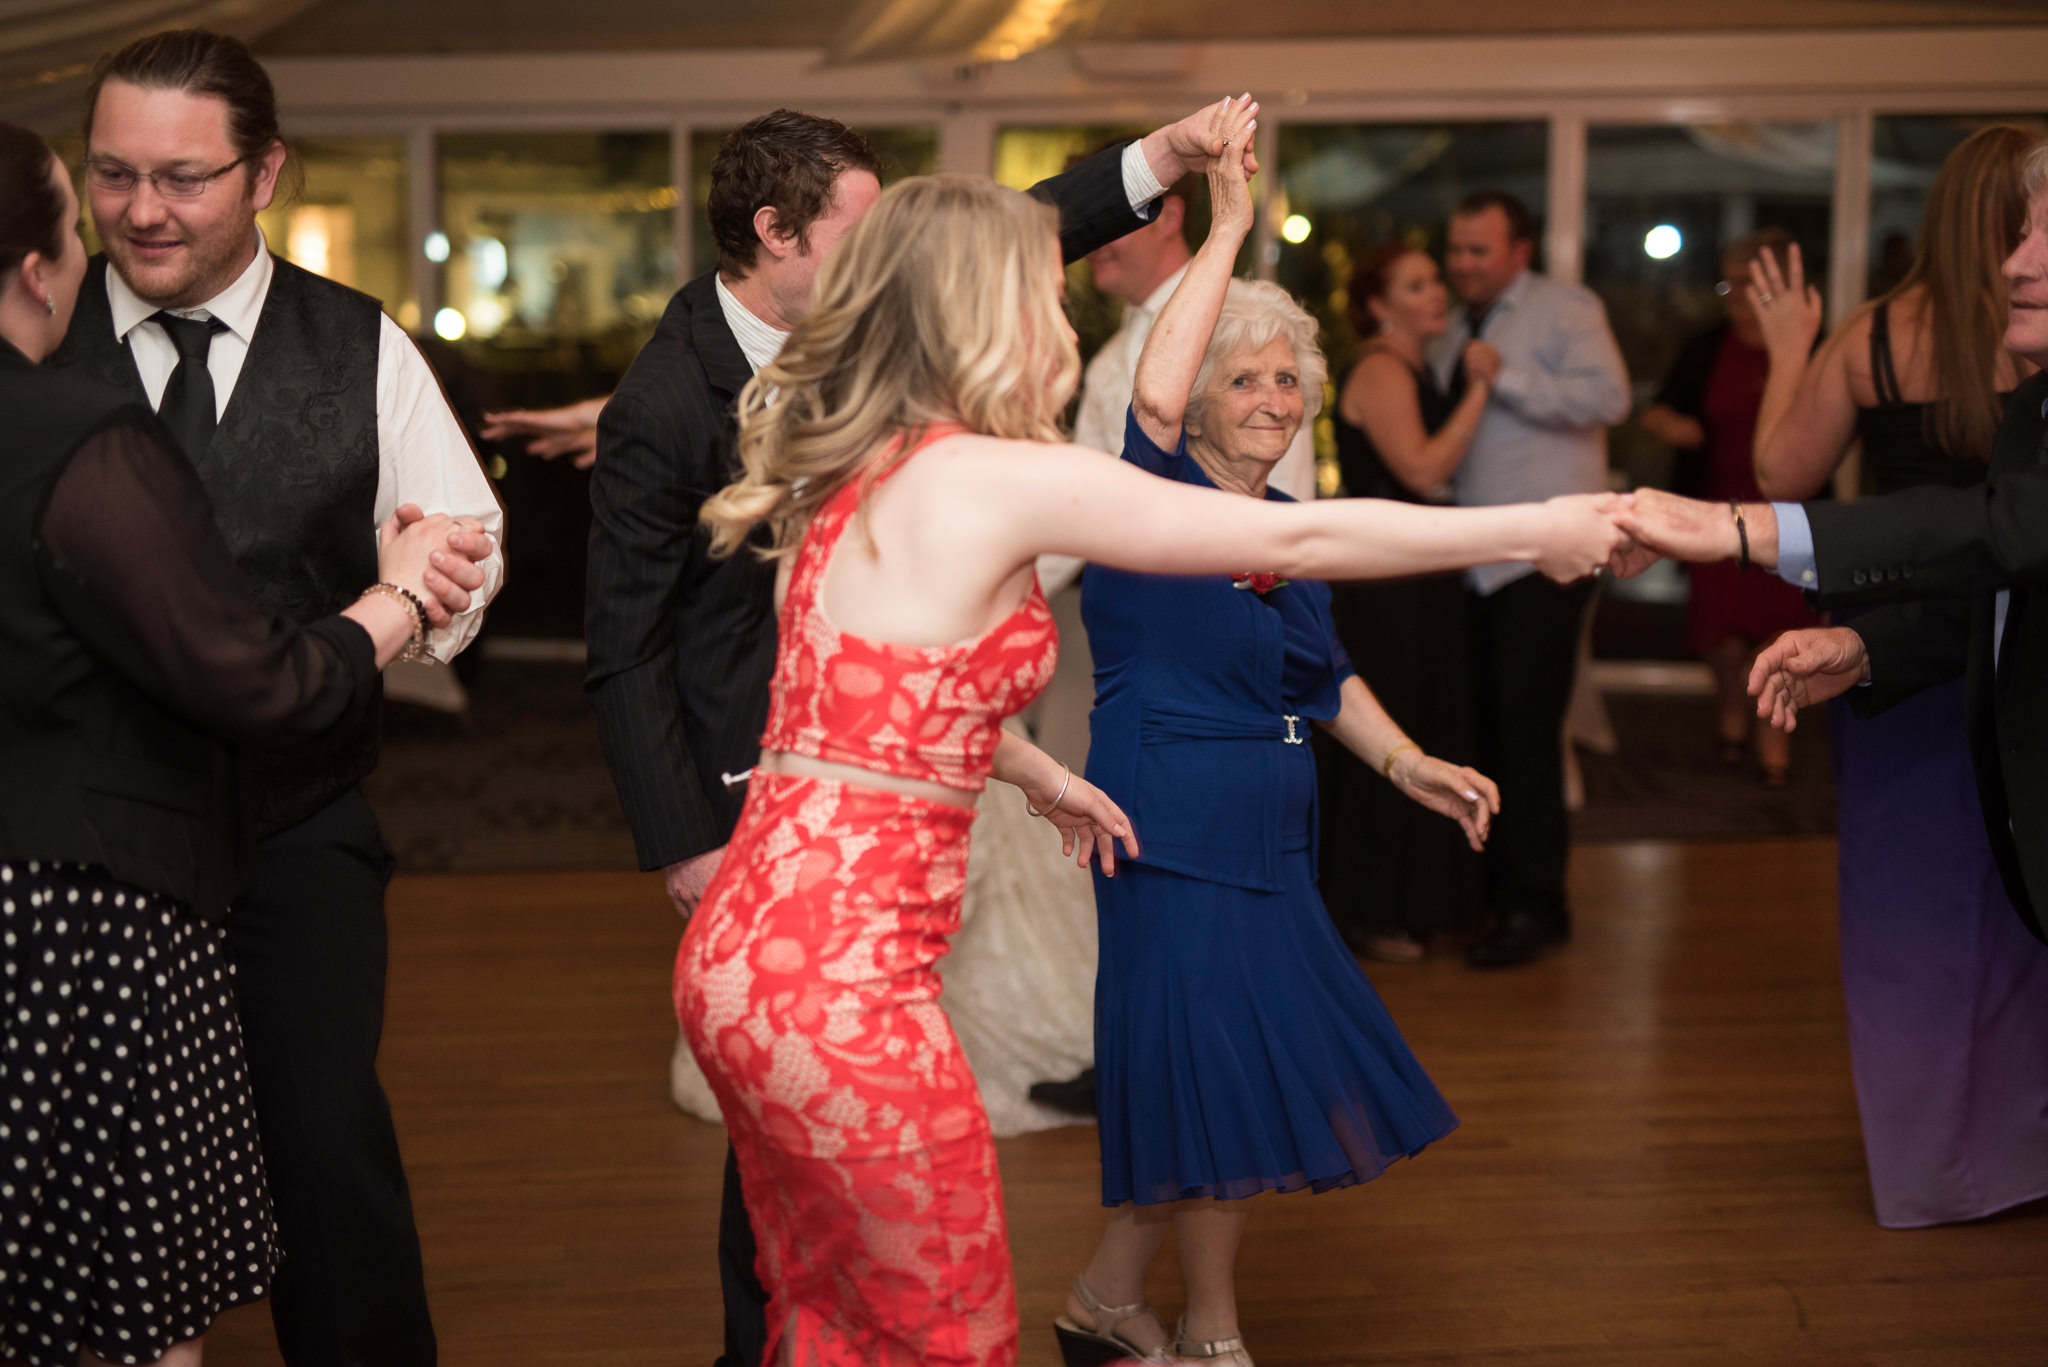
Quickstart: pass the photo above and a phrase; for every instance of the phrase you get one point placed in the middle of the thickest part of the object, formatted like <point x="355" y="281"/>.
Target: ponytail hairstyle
<point x="199" y="62"/>
<point x="941" y="305"/>
<point x="31" y="209"/>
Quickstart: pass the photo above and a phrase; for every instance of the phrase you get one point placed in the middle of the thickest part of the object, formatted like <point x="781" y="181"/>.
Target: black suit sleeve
<point x="1912" y="646"/>
<point x="1094" y="208"/>
<point x="1933" y="542"/>
<point x="655" y="466"/>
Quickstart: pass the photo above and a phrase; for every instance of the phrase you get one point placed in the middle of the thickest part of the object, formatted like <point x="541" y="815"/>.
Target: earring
<point x="50" y="303"/>
<point x="1386" y="326"/>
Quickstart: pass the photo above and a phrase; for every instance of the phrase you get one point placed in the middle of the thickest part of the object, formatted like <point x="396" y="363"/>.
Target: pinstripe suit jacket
<point x="681" y="645"/>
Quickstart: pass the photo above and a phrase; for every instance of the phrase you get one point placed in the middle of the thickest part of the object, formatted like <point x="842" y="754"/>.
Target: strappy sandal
<point x="1228" y="1351"/>
<point x="1102" y="1345"/>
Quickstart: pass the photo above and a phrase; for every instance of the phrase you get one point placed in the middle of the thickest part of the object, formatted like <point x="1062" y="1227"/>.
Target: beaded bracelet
<point x="416" y="648"/>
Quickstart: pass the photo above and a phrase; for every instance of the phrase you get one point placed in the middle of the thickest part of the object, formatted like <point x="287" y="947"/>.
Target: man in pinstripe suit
<point x="682" y="646"/>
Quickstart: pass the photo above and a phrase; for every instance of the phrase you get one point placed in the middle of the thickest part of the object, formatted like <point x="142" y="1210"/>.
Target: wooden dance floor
<point x="1659" y="1161"/>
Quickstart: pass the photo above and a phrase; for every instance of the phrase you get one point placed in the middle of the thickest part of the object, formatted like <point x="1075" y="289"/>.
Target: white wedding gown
<point x="1020" y="978"/>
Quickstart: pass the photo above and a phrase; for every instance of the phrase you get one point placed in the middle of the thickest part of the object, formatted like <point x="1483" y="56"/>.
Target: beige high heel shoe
<point x="1229" y="1352"/>
<point x="1102" y="1344"/>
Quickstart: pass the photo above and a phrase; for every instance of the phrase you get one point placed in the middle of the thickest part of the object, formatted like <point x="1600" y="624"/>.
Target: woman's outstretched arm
<point x="1008" y="502"/>
<point x="1174" y="350"/>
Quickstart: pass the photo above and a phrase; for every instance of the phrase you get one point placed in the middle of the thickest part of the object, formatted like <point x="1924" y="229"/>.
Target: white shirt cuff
<point x="1141" y="187"/>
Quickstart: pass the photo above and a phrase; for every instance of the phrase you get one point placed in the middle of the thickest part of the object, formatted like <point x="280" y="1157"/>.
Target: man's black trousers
<point x="1525" y="648"/>
<point x="308" y="943"/>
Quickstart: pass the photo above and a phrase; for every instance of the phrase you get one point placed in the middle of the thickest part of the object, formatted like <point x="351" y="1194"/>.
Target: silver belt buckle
<point x="1292" y="737"/>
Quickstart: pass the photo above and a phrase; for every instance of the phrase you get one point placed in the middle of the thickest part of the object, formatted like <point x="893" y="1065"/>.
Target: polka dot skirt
<point x="132" y="1202"/>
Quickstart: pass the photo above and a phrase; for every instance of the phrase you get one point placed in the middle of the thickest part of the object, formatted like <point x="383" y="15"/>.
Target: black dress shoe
<point x="1075" y="1096"/>
<point x="1518" y="938"/>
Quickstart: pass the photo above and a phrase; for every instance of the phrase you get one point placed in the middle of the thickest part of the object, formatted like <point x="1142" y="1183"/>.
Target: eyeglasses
<point x="117" y="179"/>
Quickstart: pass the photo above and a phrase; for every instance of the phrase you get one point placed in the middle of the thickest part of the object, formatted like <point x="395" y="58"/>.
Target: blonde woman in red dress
<point x="902" y="459"/>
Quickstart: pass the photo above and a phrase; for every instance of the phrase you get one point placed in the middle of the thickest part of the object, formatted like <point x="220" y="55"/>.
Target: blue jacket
<point x="1192" y="723"/>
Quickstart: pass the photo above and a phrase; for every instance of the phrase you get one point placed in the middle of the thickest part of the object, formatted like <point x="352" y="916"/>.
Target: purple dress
<point x="1946" y="992"/>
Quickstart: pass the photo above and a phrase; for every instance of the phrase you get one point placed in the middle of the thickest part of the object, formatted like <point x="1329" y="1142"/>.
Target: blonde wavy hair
<point x="941" y="305"/>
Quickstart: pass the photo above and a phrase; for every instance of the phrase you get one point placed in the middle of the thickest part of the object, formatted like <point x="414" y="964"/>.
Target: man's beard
<point x="190" y="277"/>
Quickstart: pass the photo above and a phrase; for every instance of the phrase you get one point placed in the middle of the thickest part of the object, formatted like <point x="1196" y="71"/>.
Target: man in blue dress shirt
<point x="1544" y="432"/>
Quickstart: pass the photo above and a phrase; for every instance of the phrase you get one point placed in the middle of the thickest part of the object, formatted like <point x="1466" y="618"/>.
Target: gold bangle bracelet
<point x="1387" y="768"/>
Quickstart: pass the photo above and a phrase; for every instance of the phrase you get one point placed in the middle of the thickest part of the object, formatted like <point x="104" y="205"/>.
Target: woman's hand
<point x="406" y="544"/>
<point x="1579" y="536"/>
<point x="1230" y="197"/>
<point x="1463" y="794"/>
<point x="1787" y="308"/>
<point x="1089" y="823"/>
<point x="1482" y="363"/>
<point x="551" y="432"/>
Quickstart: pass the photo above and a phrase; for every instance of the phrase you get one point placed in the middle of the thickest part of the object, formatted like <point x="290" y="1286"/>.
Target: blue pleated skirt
<point x="1238" y="1046"/>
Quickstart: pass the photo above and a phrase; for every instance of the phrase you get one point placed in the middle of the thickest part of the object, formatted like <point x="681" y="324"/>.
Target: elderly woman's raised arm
<point x="1173" y="352"/>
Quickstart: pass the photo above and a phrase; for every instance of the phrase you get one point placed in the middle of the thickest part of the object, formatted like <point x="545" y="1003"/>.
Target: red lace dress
<point x="806" y="985"/>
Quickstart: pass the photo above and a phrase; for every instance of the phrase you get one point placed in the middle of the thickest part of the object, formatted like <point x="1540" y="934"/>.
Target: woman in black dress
<point x="133" y="1208"/>
<point x="1391" y="877"/>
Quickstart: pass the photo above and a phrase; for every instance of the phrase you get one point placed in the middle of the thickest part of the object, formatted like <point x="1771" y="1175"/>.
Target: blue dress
<point x="1238" y="1046"/>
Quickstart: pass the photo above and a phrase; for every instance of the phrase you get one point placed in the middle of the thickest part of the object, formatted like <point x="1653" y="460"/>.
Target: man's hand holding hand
<point x="1186" y="148"/>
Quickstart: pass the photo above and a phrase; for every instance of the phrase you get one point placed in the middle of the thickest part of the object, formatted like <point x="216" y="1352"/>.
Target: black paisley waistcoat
<point x="292" y="471"/>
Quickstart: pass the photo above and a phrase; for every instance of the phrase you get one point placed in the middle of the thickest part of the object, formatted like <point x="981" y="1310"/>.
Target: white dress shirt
<point x="423" y="455"/>
<point x="759" y="343"/>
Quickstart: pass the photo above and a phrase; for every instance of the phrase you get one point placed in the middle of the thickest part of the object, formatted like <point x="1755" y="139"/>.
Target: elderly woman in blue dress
<point x="1239" y="1047"/>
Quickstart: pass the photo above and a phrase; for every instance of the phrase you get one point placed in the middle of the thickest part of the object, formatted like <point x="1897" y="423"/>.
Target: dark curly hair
<point x="785" y="161"/>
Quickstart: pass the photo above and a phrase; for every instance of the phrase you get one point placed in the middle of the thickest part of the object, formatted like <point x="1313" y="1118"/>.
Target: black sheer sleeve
<point x="129" y="552"/>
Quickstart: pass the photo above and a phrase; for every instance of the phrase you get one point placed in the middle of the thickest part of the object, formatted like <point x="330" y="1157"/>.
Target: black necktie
<point x="188" y="406"/>
<point x="1475" y="319"/>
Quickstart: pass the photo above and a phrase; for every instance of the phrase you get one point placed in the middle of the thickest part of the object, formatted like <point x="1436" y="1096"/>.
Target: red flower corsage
<point x="1261" y="584"/>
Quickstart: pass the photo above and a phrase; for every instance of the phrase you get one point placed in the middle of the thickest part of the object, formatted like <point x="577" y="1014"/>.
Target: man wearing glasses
<point x="311" y="419"/>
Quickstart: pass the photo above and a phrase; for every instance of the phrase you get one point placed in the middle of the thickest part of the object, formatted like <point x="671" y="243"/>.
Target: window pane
<point x="559" y="259"/>
<point x="1663" y="202"/>
<point x="560" y="250"/>
<point x="1906" y="151"/>
<point x="1346" y="187"/>
<point x="904" y="152"/>
<point x="350" y="223"/>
